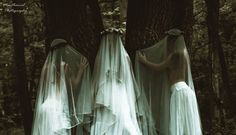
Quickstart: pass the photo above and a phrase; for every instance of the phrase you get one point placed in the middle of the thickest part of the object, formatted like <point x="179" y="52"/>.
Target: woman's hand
<point x="64" y="66"/>
<point x="142" y="57"/>
<point x="81" y="67"/>
<point x="83" y="64"/>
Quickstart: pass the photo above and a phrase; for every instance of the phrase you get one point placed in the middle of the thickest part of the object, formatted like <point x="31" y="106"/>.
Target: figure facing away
<point x="183" y="109"/>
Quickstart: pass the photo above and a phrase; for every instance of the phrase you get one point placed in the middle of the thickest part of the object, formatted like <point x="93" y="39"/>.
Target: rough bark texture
<point x="215" y="47"/>
<point x="58" y="19"/>
<point x="148" y="20"/>
<point x="21" y="80"/>
<point x="77" y="21"/>
<point x="87" y="28"/>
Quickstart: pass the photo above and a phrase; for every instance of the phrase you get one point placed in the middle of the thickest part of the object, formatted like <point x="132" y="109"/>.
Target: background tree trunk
<point x="217" y="53"/>
<point x="21" y="80"/>
<point x="148" y="20"/>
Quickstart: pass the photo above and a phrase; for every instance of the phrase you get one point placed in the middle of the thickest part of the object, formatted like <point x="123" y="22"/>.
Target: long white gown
<point x="117" y="97"/>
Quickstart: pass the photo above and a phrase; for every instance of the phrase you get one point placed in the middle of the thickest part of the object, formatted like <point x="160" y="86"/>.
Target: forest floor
<point x="230" y="129"/>
<point x="12" y="131"/>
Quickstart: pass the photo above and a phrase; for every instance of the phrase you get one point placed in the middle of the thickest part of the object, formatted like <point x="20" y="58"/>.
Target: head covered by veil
<point x="157" y="84"/>
<point x="63" y="99"/>
<point x="119" y="105"/>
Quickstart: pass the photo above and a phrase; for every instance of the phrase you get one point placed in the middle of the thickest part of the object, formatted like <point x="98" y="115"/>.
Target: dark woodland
<point x="209" y="29"/>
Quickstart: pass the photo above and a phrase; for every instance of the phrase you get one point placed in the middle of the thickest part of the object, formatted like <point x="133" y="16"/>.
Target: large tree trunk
<point x="77" y="21"/>
<point x="217" y="55"/>
<point x="87" y="27"/>
<point x="148" y="20"/>
<point x="21" y="80"/>
<point x="58" y="20"/>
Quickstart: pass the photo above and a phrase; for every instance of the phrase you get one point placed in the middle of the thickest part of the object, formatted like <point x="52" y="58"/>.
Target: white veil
<point x="61" y="102"/>
<point x="157" y="84"/>
<point x="118" y="101"/>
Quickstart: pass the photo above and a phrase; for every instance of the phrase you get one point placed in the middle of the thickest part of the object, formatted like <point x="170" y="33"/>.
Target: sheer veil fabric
<point x="157" y="84"/>
<point x="118" y="100"/>
<point x="62" y="102"/>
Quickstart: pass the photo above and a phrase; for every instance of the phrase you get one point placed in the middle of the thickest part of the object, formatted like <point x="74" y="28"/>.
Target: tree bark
<point x="123" y="10"/>
<point x="21" y="79"/>
<point x="216" y="47"/>
<point x="77" y="21"/>
<point x="148" y="20"/>
<point x="58" y="20"/>
<point x="87" y="27"/>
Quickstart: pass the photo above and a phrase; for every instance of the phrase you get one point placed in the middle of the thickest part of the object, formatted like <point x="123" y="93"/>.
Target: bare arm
<point x="157" y="67"/>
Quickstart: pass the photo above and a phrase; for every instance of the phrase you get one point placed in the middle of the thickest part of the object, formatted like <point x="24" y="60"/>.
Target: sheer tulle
<point x="118" y="100"/>
<point x="157" y="84"/>
<point x="60" y="103"/>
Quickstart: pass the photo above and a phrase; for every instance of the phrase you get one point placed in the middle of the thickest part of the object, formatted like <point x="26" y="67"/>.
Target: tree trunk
<point x="87" y="27"/>
<point x="58" y="20"/>
<point x="148" y="20"/>
<point x="217" y="51"/>
<point x="77" y="21"/>
<point x="123" y="10"/>
<point x="21" y="80"/>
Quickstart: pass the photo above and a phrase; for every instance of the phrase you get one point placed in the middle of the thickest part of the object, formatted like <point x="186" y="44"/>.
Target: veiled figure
<point x="64" y="94"/>
<point x="117" y="97"/>
<point x="163" y="72"/>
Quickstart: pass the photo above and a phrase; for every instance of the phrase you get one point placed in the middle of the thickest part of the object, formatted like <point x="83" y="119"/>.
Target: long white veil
<point x="62" y="103"/>
<point x="118" y="103"/>
<point x="157" y="84"/>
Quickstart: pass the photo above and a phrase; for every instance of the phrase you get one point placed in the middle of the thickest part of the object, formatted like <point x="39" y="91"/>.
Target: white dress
<point x="184" y="115"/>
<point x="61" y="102"/>
<point x="115" y="97"/>
<point x="52" y="116"/>
<point x="115" y="118"/>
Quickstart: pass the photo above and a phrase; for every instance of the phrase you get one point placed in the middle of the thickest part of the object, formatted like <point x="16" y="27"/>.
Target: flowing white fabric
<point x="157" y="84"/>
<point x="117" y="97"/>
<point x="184" y="116"/>
<point x="61" y="102"/>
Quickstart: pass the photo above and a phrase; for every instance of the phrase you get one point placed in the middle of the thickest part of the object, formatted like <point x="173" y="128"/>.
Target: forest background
<point x="210" y="34"/>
